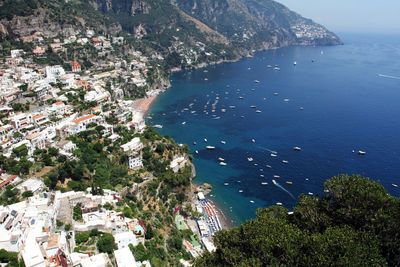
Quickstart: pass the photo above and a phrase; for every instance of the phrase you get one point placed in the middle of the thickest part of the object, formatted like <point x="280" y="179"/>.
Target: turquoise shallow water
<point x="347" y="106"/>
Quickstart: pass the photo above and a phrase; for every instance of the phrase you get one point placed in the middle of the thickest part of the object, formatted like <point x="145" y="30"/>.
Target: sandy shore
<point x="144" y="104"/>
<point x="226" y="223"/>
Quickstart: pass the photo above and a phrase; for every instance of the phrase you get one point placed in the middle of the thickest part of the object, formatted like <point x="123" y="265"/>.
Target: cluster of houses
<point x="30" y="227"/>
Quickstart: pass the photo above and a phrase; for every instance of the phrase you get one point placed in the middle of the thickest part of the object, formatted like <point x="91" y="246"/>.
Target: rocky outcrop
<point x="131" y="7"/>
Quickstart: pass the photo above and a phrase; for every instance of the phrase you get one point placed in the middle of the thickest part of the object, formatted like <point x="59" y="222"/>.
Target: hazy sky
<point x="350" y="15"/>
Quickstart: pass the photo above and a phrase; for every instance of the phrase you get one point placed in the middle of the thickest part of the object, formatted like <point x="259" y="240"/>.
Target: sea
<point x="330" y="101"/>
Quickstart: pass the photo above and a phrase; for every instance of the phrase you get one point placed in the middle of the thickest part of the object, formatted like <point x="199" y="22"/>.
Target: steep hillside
<point x="258" y="23"/>
<point x="187" y="33"/>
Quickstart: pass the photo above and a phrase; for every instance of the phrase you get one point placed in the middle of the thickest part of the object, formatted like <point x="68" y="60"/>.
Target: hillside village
<point x="84" y="181"/>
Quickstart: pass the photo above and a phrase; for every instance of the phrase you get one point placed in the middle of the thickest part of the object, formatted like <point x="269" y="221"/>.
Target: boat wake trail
<point x="267" y="149"/>
<point x="388" y="76"/>
<point x="284" y="189"/>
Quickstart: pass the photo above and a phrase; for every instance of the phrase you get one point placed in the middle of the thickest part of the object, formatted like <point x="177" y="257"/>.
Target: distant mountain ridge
<point x="187" y="33"/>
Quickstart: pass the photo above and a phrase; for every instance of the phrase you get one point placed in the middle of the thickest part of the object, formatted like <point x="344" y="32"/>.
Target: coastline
<point x="144" y="104"/>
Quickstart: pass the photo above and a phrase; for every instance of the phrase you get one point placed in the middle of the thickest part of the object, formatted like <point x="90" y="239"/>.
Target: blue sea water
<point x="347" y="106"/>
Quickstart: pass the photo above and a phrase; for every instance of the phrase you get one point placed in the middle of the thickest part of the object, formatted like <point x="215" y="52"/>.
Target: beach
<point x="144" y="104"/>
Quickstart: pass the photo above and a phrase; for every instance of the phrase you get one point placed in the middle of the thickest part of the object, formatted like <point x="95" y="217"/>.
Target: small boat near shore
<point x="159" y="126"/>
<point x="395" y="185"/>
<point x="210" y="147"/>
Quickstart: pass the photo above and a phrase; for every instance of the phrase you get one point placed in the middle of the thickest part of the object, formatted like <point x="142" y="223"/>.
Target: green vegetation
<point x="11" y="258"/>
<point x="355" y="224"/>
<point x="106" y="243"/>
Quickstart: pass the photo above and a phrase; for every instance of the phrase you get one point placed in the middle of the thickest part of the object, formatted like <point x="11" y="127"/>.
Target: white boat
<point x="223" y="110"/>
<point x="264" y="183"/>
<point x="295" y="63"/>
<point x="159" y="126"/>
<point x="210" y="147"/>
<point x="273" y="155"/>
<point x="232" y="106"/>
<point x="183" y="123"/>
<point x="221" y="159"/>
<point x="250" y="159"/>
<point x="240" y="97"/>
<point x="253" y="140"/>
<point x="226" y="183"/>
<point x="240" y="191"/>
<point x="262" y="175"/>
<point x="360" y="152"/>
<point x="286" y="99"/>
<point x="279" y="203"/>
<point x="276" y="176"/>
<point x="276" y="93"/>
<point x="269" y="166"/>
<point x="301" y="108"/>
<point x="297" y="148"/>
<point x="285" y="161"/>
<point x="256" y="81"/>
<point x="205" y="139"/>
<point x="258" y="111"/>
<point x="223" y="142"/>
<point x="251" y="201"/>
<point x="269" y="66"/>
<point x="310" y="193"/>
<point x="253" y="106"/>
<point x="197" y="152"/>
<point x="276" y="68"/>
<point x="222" y="163"/>
<point x="395" y="185"/>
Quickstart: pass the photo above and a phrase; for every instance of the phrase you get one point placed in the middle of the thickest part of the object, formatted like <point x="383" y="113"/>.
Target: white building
<point x="123" y="239"/>
<point x="178" y="163"/>
<point x="124" y="257"/>
<point x="135" y="161"/>
<point x="79" y="125"/>
<point x="134" y="145"/>
<point x="31" y="185"/>
<point x="99" y="260"/>
<point x="53" y="72"/>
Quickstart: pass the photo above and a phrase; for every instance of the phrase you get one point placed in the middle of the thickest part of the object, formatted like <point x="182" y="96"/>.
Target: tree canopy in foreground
<point x="357" y="223"/>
